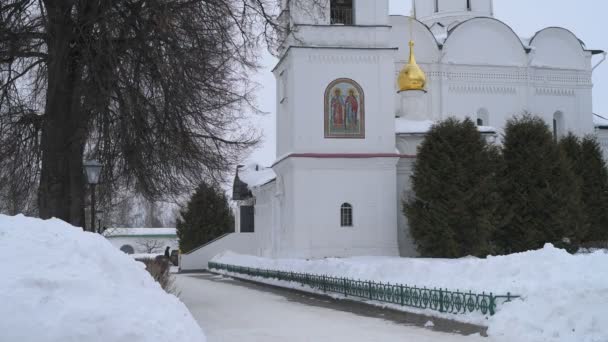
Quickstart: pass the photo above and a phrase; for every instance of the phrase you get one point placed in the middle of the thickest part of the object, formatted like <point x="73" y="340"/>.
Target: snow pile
<point x="60" y="284"/>
<point x="564" y="297"/>
<point x="255" y="176"/>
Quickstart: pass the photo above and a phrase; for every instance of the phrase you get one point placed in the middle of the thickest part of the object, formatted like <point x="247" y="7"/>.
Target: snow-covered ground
<point x="564" y="297"/>
<point x="59" y="283"/>
<point x="232" y="313"/>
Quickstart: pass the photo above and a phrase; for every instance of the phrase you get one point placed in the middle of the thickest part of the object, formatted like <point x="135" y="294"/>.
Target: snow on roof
<point x="412" y="126"/>
<point x="116" y="232"/>
<point x="255" y="175"/>
<point x="405" y="126"/>
<point x="600" y="121"/>
<point x="526" y="42"/>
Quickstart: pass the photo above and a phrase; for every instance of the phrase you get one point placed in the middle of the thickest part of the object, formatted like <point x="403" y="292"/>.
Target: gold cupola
<point x="411" y="76"/>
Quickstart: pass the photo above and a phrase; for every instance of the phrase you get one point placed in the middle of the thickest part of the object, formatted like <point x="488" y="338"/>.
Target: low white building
<point x="142" y="240"/>
<point x="352" y="107"/>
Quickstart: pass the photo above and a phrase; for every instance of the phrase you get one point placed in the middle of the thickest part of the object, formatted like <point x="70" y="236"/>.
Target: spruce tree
<point x="206" y="217"/>
<point x="540" y="196"/>
<point x="452" y="213"/>
<point x="594" y="190"/>
<point x="570" y="147"/>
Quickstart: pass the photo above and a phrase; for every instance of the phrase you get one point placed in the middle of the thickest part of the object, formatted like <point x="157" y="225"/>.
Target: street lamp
<point x="92" y="169"/>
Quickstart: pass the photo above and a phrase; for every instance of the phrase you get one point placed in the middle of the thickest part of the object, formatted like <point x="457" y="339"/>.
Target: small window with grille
<point x="346" y="215"/>
<point x="342" y="12"/>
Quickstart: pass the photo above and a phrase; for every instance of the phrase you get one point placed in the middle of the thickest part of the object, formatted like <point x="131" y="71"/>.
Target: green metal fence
<point x="441" y="300"/>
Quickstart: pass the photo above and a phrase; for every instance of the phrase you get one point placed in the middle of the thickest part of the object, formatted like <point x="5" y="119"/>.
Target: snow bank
<point x="145" y="255"/>
<point x="60" y="284"/>
<point x="564" y="297"/>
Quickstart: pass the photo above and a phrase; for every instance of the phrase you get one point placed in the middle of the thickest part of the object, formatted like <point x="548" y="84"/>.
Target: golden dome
<point x="411" y="76"/>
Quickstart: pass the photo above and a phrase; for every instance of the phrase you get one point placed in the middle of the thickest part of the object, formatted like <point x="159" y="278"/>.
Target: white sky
<point x="583" y="17"/>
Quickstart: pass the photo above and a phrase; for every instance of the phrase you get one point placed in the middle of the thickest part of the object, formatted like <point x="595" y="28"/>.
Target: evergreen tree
<point x="590" y="166"/>
<point x="540" y="195"/>
<point x="206" y="217"/>
<point x="570" y="147"/>
<point x="453" y="212"/>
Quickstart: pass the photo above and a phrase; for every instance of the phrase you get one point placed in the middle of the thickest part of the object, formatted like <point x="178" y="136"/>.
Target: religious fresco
<point x="344" y="110"/>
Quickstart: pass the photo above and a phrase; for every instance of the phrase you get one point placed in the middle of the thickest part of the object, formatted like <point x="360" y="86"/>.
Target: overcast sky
<point x="586" y="18"/>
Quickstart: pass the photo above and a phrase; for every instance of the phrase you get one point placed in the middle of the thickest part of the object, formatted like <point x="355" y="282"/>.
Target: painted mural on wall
<point x="344" y="110"/>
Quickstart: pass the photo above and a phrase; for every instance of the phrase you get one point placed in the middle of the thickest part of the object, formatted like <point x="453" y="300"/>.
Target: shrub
<point x="453" y="211"/>
<point x="539" y="191"/>
<point x="206" y="217"/>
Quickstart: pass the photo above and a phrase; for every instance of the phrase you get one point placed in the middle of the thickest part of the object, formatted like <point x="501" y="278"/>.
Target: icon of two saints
<point x="344" y="109"/>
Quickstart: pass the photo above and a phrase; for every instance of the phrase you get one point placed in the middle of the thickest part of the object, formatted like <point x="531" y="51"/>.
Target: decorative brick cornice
<point x="555" y="92"/>
<point x="342" y="59"/>
<point x="482" y="89"/>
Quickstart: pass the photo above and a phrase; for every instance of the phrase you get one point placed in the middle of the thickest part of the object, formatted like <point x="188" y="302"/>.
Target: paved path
<point x="230" y="310"/>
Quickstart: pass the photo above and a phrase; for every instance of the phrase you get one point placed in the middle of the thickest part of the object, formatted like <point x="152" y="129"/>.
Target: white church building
<point x="354" y="101"/>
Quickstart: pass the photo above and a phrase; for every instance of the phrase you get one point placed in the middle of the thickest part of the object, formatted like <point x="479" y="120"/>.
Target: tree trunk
<point x="61" y="192"/>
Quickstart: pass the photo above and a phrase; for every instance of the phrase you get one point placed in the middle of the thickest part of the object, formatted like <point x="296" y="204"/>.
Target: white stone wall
<point x="405" y="169"/>
<point x="300" y="115"/>
<point x="242" y="243"/>
<point x="320" y="187"/>
<point x="602" y="138"/>
<point x="451" y="11"/>
<point x="366" y="12"/>
<point x="264" y="225"/>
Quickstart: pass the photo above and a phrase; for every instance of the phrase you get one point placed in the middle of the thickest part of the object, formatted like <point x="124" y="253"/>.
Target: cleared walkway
<point x="230" y="310"/>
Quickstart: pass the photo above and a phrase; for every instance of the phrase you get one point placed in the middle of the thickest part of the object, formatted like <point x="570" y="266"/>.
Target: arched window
<point x="127" y="249"/>
<point x="483" y="117"/>
<point x="346" y="215"/>
<point x="558" y="125"/>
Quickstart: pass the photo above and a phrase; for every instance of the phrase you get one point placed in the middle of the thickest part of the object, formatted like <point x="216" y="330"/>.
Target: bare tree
<point x="151" y="246"/>
<point x="154" y="89"/>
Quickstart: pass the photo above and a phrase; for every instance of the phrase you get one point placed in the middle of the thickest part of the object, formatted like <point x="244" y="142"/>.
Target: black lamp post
<point x="92" y="169"/>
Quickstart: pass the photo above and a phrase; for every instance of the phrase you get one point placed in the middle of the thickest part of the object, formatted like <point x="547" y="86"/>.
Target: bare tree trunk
<point x="61" y="191"/>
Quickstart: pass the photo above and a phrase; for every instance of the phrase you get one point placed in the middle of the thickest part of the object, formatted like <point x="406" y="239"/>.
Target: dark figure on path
<point x="167" y="254"/>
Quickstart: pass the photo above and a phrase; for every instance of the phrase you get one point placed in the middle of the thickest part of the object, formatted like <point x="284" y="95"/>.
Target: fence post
<point x="369" y="284"/>
<point x="401" y="295"/>
<point x="493" y="303"/>
<point x="324" y="283"/>
<point x="345" y="288"/>
<point x="440" y="300"/>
